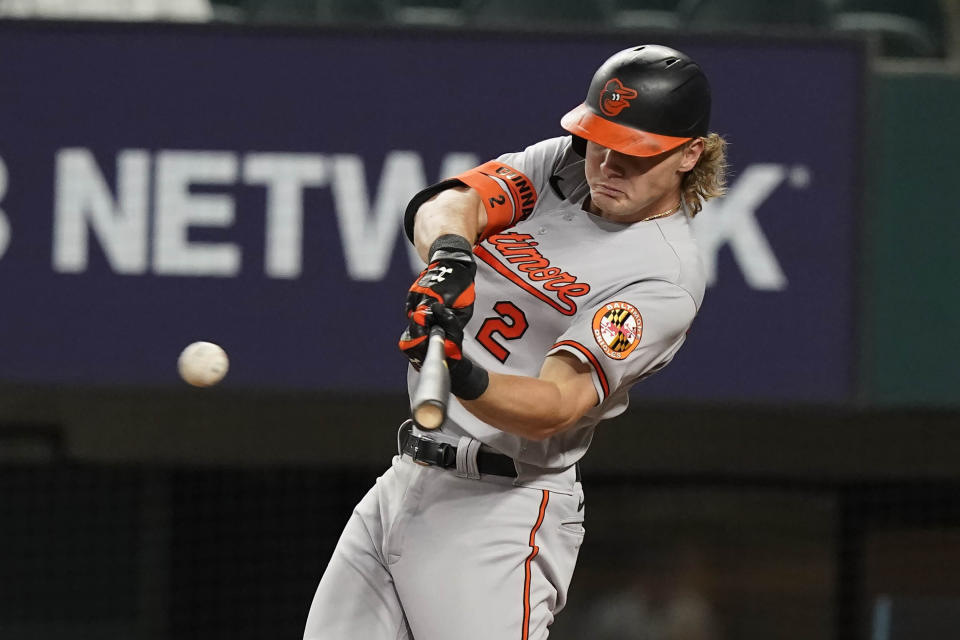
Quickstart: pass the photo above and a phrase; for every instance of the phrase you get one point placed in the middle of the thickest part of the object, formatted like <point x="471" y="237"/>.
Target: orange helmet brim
<point x="584" y="122"/>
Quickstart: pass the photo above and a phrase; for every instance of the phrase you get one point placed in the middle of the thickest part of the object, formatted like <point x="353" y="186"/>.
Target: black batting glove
<point x="446" y="283"/>
<point x="448" y="279"/>
<point x="468" y="380"/>
<point x="413" y="341"/>
<point x="452" y="329"/>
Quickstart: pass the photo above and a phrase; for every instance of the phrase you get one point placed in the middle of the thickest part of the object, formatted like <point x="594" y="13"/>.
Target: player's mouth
<point x="607" y="190"/>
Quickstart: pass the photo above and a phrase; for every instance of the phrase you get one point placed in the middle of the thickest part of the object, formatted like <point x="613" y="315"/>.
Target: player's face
<point x="631" y="188"/>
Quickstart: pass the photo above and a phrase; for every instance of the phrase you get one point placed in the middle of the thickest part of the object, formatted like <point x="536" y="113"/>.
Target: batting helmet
<point x="643" y="101"/>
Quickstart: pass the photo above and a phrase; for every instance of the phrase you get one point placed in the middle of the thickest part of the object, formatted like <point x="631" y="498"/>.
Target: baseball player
<point x="561" y="275"/>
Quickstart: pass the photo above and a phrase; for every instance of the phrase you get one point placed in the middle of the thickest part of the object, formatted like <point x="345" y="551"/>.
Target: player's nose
<point x="611" y="163"/>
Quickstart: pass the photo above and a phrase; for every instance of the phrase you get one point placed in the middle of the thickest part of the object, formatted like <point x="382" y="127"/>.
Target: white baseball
<point x="203" y="364"/>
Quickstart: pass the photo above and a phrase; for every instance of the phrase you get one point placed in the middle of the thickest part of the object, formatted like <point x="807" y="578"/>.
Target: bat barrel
<point x="428" y="406"/>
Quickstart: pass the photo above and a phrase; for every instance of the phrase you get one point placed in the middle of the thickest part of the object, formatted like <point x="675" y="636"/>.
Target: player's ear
<point x="692" y="151"/>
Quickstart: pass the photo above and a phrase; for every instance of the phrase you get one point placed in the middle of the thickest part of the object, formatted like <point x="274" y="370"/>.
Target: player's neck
<point x="666" y="213"/>
<point x="662" y="208"/>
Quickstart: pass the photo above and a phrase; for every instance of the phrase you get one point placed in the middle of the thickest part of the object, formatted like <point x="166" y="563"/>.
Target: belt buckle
<point x="416" y="451"/>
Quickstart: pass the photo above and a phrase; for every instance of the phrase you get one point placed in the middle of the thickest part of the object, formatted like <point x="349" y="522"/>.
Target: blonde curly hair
<point x="708" y="179"/>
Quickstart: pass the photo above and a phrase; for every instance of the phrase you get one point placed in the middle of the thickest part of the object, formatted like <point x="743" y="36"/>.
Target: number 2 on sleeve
<point x="511" y="325"/>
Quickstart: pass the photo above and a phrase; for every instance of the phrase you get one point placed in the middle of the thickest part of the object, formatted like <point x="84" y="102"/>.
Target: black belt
<point x="443" y="455"/>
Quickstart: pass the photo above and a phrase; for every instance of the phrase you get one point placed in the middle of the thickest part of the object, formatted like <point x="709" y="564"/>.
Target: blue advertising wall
<point x="165" y="185"/>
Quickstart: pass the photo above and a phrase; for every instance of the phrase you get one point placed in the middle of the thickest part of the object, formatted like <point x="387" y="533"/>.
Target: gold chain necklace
<point x="668" y="212"/>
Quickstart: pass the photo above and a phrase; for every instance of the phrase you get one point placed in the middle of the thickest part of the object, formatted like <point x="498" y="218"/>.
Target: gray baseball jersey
<point x="437" y="554"/>
<point x="620" y="297"/>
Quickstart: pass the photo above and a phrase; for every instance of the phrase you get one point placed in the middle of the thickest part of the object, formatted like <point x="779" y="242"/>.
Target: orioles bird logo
<point x="615" y="97"/>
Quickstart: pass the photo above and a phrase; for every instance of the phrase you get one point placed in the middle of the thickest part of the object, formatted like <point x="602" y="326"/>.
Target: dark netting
<point x="145" y="552"/>
<point x="248" y="547"/>
<point x="70" y="563"/>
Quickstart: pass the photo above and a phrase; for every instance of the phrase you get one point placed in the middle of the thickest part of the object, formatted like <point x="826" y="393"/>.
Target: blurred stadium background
<point x="235" y="171"/>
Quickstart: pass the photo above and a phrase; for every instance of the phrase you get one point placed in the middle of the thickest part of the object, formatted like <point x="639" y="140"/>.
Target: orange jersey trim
<point x="499" y="267"/>
<point x="527" y="571"/>
<point x="504" y="209"/>
<point x="592" y="359"/>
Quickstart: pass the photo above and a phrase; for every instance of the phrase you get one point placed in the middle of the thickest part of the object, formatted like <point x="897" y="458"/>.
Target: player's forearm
<point x="456" y="211"/>
<point x="528" y="407"/>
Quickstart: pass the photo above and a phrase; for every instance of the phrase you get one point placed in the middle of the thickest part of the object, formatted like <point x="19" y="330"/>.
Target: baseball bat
<point x="428" y="405"/>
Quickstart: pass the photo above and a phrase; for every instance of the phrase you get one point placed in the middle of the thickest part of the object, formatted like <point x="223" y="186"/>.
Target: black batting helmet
<point x="643" y="101"/>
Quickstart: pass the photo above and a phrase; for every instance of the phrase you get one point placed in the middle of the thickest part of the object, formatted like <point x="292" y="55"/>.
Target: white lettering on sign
<point x="732" y="220"/>
<point x="5" y="233"/>
<point x="285" y="175"/>
<point x="177" y="210"/>
<point x="185" y="230"/>
<point x="84" y="204"/>
<point x="368" y="231"/>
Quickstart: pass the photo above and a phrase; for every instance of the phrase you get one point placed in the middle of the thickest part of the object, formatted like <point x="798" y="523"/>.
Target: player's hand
<point x="413" y="341"/>
<point x="447" y="282"/>
<point x="448" y="279"/>
<point x="468" y="380"/>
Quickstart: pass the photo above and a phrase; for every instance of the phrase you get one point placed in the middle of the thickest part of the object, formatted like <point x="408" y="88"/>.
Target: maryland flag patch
<point x="616" y="328"/>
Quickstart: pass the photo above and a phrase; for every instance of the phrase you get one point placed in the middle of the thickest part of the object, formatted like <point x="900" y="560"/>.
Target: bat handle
<point x="428" y="405"/>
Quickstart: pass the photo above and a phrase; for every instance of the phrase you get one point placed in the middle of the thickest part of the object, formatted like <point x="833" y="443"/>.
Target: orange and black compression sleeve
<point x="507" y="195"/>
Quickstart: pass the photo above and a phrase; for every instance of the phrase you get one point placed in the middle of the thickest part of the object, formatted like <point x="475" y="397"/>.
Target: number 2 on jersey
<point x="511" y="324"/>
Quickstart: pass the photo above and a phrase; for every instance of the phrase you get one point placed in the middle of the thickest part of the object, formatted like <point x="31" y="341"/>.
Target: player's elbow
<point x="570" y="401"/>
<point x="569" y="394"/>
<point x="544" y="433"/>
<point x="554" y="424"/>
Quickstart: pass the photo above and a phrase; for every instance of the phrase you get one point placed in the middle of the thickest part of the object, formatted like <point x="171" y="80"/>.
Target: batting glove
<point x="448" y="279"/>
<point x="447" y="282"/>
<point x="414" y="340"/>
<point x="468" y="380"/>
